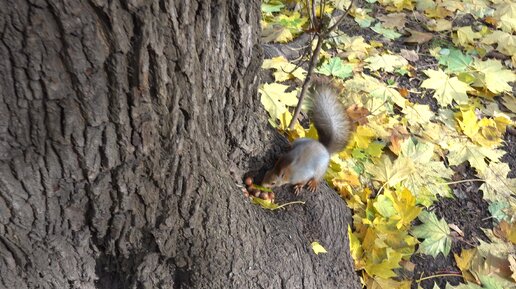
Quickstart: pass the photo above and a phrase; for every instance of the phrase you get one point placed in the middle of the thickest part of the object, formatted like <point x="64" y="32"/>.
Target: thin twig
<point x="321" y="36"/>
<point x="339" y="21"/>
<point x="464" y="181"/>
<point x="439" y="275"/>
<point x="287" y="204"/>
<point x="316" y="23"/>
<point x="304" y="88"/>
<point x="312" y="23"/>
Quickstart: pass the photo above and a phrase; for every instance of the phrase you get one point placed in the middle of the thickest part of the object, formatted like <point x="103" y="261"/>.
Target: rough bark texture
<point x="125" y="127"/>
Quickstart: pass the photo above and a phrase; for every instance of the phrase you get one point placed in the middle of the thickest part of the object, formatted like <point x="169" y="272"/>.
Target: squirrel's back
<point x="329" y="116"/>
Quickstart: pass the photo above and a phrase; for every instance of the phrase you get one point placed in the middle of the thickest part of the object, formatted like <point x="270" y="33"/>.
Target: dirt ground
<point x="468" y="210"/>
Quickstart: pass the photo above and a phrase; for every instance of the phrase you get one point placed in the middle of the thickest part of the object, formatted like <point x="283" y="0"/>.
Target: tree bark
<point x="125" y="128"/>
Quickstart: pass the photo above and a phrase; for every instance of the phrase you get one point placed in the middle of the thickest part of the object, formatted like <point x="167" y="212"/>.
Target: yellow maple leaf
<point x="284" y="121"/>
<point x="487" y="132"/>
<point x="466" y="36"/>
<point x="428" y="179"/>
<point x="491" y="134"/>
<point x="404" y="203"/>
<point x="275" y="100"/>
<point x="284" y="70"/>
<point x="355" y="47"/>
<point x="464" y="261"/>
<point x="382" y="283"/>
<point x="417" y="113"/>
<point x="461" y="150"/>
<point x="468" y="121"/>
<point x="344" y="179"/>
<point x="505" y="13"/>
<point x="509" y="101"/>
<point x="362" y="137"/>
<point x="276" y="33"/>
<point x="385" y="263"/>
<point x="354" y="245"/>
<point x="506" y="43"/>
<point x="386" y="62"/>
<point x="492" y="75"/>
<point x="496" y="185"/>
<point x="439" y="25"/>
<point x="391" y="174"/>
<point x="446" y="88"/>
<point x="397" y="5"/>
<point x="438" y="12"/>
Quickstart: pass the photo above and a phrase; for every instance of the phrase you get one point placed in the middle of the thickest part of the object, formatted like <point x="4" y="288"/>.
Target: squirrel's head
<point x="274" y="178"/>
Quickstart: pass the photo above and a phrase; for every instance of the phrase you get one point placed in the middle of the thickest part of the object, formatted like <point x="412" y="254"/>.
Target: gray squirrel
<point x="308" y="159"/>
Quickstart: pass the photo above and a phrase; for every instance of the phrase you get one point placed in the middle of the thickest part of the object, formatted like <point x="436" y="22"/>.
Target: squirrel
<point x="308" y="159"/>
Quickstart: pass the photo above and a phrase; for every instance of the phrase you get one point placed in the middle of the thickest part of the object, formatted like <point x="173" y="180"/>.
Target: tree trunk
<point x="125" y="128"/>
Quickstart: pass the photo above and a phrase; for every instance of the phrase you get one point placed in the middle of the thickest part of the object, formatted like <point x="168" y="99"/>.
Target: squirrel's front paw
<point x="297" y="189"/>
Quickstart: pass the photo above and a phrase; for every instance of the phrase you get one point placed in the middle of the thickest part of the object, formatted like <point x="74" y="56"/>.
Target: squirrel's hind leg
<point x="312" y="185"/>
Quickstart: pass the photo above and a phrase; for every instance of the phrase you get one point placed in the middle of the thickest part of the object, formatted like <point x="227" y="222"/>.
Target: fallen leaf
<point x="439" y="25"/>
<point x="506" y="43"/>
<point x="456" y="229"/>
<point x="387" y="33"/>
<point x="317" y="248"/>
<point x="454" y="60"/>
<point x="438" y="12"/>
<point x="435" y="233"/>
<point x="418" y="37"/>
<point x="275" y="100"/>
<point x="386" y="62"/>
<point x="357" y="114"/>
<point x="284" y="70"/>
<point x="409" y="55"/>
<point x="466" y="36"/>
<point x="393" y="20"/>
<point x="493" y="76"/>
<point x="446" y="88"/>
<point x="336" y="67"/>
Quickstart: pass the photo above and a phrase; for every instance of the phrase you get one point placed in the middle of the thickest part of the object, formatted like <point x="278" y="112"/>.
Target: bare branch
<point x="339" y="21"/>
<point x="306" y="83"/>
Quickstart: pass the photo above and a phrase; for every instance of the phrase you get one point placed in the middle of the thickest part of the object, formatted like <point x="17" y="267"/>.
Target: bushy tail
<point x="329" y="116"/>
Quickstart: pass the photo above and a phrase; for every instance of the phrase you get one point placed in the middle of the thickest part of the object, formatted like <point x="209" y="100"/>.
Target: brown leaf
<point x="409" y="55"/>
<point x="357" y="114"/>
<point x="418" y="37"/>
<point x="398" y="134"/>
<point x="456" y="229"/>
<point x="403" y="91"/>
<point x="491" y="20"/>
<point x="393" y="20"/>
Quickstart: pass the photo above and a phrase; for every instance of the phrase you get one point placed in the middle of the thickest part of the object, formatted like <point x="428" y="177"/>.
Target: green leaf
<point x="497" y="210"/>
<point x="454" y="60"/>
<point x="436" y="234"/>
<point x="494" y="282"/>
<point x="272" y="6"/>
<point x="384" y="206"/>
<point x="337" y="68"/>
<point x="266" y="204"/>
<point x="387" y="33"/>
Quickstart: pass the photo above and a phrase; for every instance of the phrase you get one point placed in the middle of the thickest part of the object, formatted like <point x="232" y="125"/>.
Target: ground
<point x="468" y="210"/>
